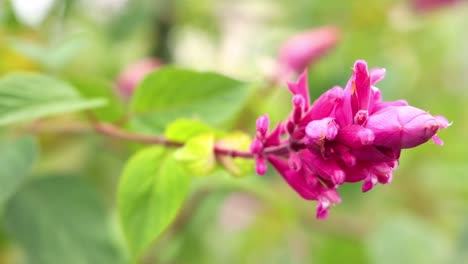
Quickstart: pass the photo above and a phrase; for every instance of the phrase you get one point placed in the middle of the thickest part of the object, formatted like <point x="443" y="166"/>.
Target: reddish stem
<point x="115" y="132"/>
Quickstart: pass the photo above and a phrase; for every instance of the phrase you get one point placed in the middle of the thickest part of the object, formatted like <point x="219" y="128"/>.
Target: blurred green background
<point x="421" y="217"/>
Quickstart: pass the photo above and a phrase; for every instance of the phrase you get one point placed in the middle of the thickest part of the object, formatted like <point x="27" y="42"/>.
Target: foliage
<point x="152" y="190"/>
<point x="88" y="175"/>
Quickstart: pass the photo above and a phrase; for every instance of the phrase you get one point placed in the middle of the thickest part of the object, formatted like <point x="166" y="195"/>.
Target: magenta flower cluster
<point x="346" y="135"/>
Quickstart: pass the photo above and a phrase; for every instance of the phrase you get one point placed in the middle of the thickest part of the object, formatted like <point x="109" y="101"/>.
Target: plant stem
<point x="115" y="132"/>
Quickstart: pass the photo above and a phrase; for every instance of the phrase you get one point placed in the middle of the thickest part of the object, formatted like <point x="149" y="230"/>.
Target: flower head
<point x="346" y="135"/>
<point x="305" y="48"/>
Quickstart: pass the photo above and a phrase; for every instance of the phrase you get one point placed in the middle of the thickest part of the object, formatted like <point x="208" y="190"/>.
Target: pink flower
<point x="306" y="48"/>
<point x="133" y="74"/>
<point x="262" y="140"/>
<point x="428" y="5"/>
<point x="403" y="126"/>
<point x="346" y="135"/>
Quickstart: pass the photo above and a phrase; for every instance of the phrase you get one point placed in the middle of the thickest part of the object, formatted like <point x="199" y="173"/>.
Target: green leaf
<point x="152" y="190"/>
<point x="407" y="239"/>
<point x="198" y="155"/>
<point x="27" y="96"/>
<point x="171" y="93"/>
<point x="461" y="249"/>
<point x="16" y="160"/>
<point x="61" y="220"/>
<point x="351" y="250"/>
<point x="93" y="88"/>
<point x="239" y="141"/>
<point x="183" y="129"/>
<point x="52" y="56"/>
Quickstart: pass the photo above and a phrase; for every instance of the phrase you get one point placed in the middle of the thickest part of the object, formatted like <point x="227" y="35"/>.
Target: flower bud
<point x="325" y="200"/>
<point x="301" y="88"/>
<point x="360" y="87"/>
<point x="260" y="165"/>
<point x="361" y="117"/>
<point x="323" y="207"/>
<point x="263" y="122"/>
<point x="403" y="127"/>
<point x="298" y="101"/>
<point x="306" y="48"/>
<point x="133" y="74"/>
<point x="322" y="129"/>
<point x="369" y="183"/>
<point x="385" y="178"/>
<point x="365" y="136"/>
<point x="383" y="171"/>
<point x="256" y="147"/>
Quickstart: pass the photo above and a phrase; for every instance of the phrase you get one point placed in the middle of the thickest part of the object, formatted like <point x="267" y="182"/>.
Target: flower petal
<point x="301" y="87"/>
<point x="360" y="87"/>
<point x="376" y="75"/>
<point x="324" y="105"/>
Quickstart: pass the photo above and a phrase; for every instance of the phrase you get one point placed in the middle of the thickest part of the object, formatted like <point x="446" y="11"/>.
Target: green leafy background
<point x="68" y="195"/>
